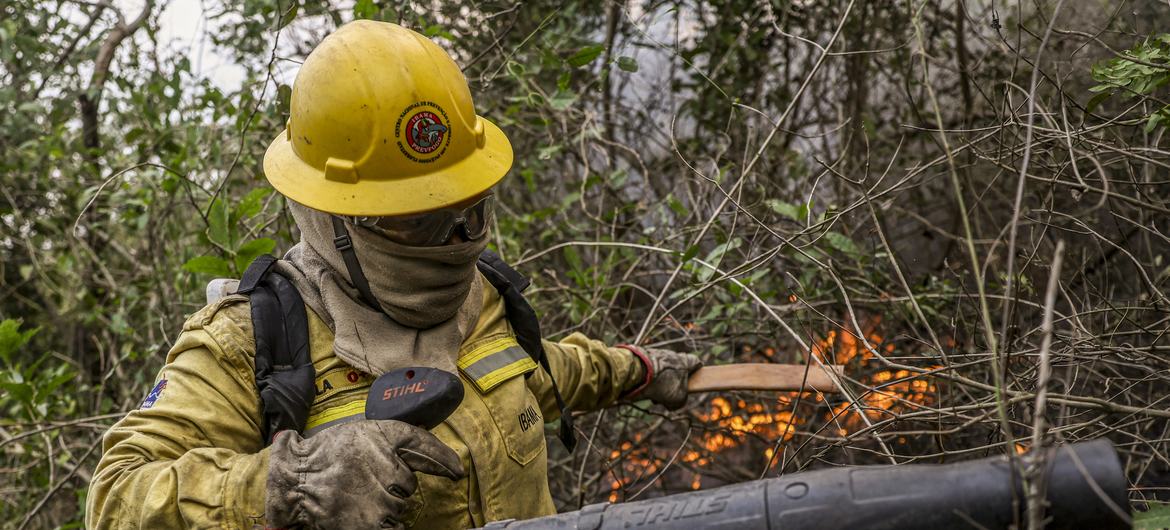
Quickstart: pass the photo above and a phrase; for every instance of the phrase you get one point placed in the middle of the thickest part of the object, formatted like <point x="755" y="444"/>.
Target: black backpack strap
<point x="285" y="377"/>
<point x="490" y="259"/>
<point x="525" y="323"/>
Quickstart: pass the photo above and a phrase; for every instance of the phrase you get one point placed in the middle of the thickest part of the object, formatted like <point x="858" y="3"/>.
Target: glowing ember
<point x="730" y="421"/>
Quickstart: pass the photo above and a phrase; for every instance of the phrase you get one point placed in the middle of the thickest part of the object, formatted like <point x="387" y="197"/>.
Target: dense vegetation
<point x="963" y="201"/>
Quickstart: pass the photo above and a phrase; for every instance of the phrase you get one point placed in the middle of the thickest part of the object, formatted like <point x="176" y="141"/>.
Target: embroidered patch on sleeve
<point x="154" y="394"/>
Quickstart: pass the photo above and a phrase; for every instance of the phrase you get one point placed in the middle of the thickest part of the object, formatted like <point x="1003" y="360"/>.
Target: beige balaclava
<point x="430" y="297"/>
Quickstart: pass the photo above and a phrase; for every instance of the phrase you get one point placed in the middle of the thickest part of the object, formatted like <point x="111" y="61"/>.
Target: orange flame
<point x="730" y="422"/>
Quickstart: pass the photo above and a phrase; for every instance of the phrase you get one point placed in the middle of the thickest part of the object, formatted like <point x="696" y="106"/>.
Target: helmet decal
<point x="422" y="131"/>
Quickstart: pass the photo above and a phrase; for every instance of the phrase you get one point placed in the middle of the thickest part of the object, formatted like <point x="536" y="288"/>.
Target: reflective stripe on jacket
<point x="191" y="457"/>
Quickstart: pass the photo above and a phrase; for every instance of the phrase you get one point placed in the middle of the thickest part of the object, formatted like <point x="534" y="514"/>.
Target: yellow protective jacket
<point x="192" y="456"/>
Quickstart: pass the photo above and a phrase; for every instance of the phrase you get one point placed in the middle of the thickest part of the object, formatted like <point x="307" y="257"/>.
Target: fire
<point x="892" y="390"/>
<point x="763" y="421"/>
<point x="732" y="424"/>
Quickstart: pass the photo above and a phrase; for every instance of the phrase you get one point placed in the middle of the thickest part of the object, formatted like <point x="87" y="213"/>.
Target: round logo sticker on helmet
<point x="422" y="131"/>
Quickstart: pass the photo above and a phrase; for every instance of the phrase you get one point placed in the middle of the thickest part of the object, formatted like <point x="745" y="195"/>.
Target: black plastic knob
<point x="419" y="396"/>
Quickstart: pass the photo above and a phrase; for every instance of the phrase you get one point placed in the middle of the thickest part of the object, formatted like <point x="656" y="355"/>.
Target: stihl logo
<point x="399" y="391"/>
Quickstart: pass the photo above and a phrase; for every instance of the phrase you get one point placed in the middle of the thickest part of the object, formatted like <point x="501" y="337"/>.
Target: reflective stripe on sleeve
<point x="495" y="361"/>
<point x="332" y="416"/>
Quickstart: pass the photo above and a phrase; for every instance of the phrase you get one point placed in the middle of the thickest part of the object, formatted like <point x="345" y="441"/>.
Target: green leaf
<point x="1096" y="101"/>
<point x="592" y="180"/>
<point x="31" y="107"/>
<point x="219" y="226"/>
<point x="1152" y="122"/>
<point x="516" y="70"/>
<point x="720" y="250"/>
<point x="21" y="391"/>
<point x="627" y="63"/>
<point x="48" y="388"/>
<point x="208" y="265"/>
<point x="788" y="210"/>
<point x="1156" y="518"/>
<point x="365" y="9"/>
<point x="1099" y="88"/>
<point x="804" y="212"/>
<point x="569" y="198"/>
<point x="251" y="250"/>
<point x="841" y="243"/>
<point x="548" y="151"/>
<point x="573" y="258"/>
<point x="251" y="204"/>
<point x="676" y="206"/>
<point x="284" y="97"/>
<point x="585" y="55"/>
<point x="715" y="256"/>
<point x="691" y="252"/>
<point x="435" y="30"/>
<point x="529" y="177"/>
<point x="618" y="177"/>
<point x="562" y="99"/>
<point x="12" y="339"/>
<point x="288" y="17"/>
<point x="134" y="134"/>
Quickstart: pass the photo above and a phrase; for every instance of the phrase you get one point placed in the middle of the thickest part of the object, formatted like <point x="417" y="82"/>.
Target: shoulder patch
<point x="154" y="394"/>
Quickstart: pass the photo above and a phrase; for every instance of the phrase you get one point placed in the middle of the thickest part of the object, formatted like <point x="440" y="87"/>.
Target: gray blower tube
<point x="1086" y="488"/>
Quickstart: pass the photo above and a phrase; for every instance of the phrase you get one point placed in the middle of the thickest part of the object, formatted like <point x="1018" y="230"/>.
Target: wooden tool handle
<point x="763" y="376"/>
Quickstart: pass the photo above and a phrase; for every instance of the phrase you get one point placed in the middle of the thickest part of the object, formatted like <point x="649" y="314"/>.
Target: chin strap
<point x="344" y="244"/>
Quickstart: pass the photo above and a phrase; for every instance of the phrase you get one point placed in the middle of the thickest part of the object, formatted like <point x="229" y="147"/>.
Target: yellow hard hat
<point x="382" y="123"/>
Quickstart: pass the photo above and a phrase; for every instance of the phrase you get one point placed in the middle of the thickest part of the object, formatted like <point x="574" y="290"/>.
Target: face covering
<point x="429" y="297"/>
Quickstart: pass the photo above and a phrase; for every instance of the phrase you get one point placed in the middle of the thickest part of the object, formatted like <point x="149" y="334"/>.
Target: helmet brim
<point x="462" y="180"/>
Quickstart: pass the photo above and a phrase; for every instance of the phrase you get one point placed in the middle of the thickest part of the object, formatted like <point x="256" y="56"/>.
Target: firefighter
<point x="388" y="172"/>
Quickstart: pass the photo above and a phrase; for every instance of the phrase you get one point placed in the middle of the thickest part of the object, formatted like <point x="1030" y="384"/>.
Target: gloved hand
<point x="666" y="377"/>
<point x="355" y="475"/>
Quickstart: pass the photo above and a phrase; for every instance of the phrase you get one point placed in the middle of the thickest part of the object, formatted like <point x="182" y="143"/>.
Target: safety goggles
<point x="434" y="228"/>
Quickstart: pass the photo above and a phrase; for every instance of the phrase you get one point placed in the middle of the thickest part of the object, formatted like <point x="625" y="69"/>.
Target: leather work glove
<point x="666" y="376"/>
<point x="354" y="475"/>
